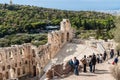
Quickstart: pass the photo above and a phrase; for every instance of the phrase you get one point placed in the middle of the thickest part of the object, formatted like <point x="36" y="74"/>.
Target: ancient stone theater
<point x="27" y="60"/>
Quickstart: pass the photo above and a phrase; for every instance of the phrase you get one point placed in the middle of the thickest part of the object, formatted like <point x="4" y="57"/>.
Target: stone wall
<point x="28" y="60"/>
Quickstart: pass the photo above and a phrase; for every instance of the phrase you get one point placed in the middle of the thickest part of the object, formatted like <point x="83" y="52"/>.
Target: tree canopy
<point x="15" y="19"/>
<point x="25" y="18"/>
<point x="117" y="31"/>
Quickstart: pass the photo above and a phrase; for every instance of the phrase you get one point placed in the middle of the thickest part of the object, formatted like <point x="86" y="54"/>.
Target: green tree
<point x="117" y="32"/>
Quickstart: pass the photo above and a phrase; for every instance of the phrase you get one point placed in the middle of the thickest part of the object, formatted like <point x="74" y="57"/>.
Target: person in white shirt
<point x="101" y="58"/>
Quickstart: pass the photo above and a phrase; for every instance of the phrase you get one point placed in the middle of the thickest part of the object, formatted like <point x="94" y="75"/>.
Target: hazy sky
<point x="71" y="4"/>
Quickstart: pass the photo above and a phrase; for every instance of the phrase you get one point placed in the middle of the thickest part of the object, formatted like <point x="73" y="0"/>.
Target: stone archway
<point x="1" y="76"/>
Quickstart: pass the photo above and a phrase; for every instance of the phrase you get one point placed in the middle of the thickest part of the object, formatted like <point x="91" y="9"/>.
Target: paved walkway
<point x="102" y="73"/>
<point x="71" y="50"/>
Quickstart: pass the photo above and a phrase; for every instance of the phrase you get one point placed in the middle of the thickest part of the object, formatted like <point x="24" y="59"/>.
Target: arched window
<point x="7" y="75"/>
<point x="22" y="53"/>
<point x="0" y="57"/>
<point x="33" y="52"/>
<point x="23" y="70"/>
<point x="11" y="54"/>
<point x="26" y="62"/>
<point x="67" y="36"/>
<point x="18" y="71"/>
<point x="62" y="37"/>
<point x="3" y="68"/>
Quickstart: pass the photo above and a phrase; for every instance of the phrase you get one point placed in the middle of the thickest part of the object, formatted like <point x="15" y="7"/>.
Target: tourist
<point x="90" y="63"/>
<point x="93" y="62"/>
<point x="104" y="55"/>
<point x="111" y="53"/>
<point x="116" y="60"/>
<point x="98" y="58"/>
<point x="101" y="58"/>
<point x="76" y="65"/>
<point x="71" y="64"/>
<point x="84" y="60"/>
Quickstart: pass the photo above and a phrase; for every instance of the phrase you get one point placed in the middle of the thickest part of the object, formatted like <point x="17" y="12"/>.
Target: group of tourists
<point x="91" y="61"/>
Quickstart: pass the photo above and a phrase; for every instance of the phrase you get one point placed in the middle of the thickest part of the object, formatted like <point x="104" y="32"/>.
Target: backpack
<point x="116" y="60"/>
<point x="84" y="61"/>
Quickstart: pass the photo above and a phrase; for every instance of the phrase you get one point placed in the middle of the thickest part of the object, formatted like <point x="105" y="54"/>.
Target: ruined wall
<point x="56" y="40"/>
<point x="28" y="60"/>
<point x="14" y="61"/>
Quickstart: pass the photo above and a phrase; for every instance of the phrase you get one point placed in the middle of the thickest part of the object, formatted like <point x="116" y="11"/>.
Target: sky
<point x="71" y="4"/>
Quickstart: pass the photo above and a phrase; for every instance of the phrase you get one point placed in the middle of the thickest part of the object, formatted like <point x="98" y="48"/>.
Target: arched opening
<point x="1" y="76"/>
<point x="18" y="71"/>
<point x="67" y="36"/>
<point x="34" y="70"/>
<point x="0" y="57"/>
<point x="7" y="75"/>
<point x="23" y="70"/>
<point x="3" y="68"/>
<point x="22" y="53"/>
<point x="62" y="38"/>
<point x="33" y="51"/>
<point x="11" y="54"/>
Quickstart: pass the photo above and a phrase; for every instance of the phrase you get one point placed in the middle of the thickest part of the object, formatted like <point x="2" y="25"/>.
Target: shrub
<point x="4" y="42"/>
<point x="37" y="43"/>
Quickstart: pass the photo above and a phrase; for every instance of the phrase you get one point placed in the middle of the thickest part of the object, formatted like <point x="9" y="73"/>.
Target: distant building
<point x="52" y="27"/>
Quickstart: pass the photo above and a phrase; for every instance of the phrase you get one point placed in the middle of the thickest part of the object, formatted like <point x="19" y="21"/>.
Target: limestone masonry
<point x="28" y="60"/>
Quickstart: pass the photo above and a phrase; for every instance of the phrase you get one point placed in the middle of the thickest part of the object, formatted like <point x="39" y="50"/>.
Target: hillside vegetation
<point x="31" y="19"/>
<point x="117" y="32"/>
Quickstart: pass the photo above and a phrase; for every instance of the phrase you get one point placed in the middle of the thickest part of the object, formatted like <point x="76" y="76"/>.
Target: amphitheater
<point x="28" y="62"/>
